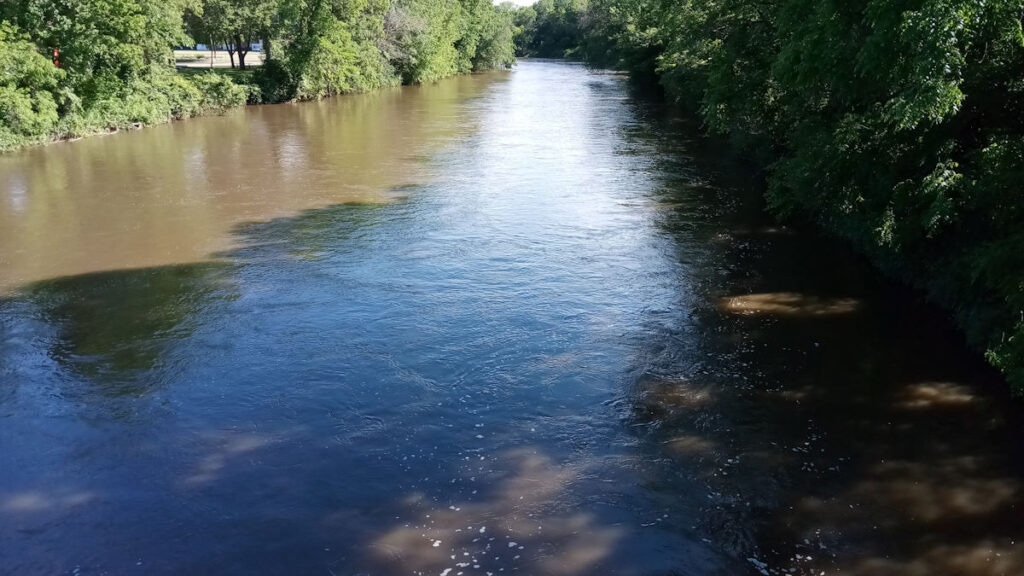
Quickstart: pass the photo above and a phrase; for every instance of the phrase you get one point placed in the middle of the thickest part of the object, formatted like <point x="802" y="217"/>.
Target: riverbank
<point x="166" y="98"/>
<point x="90" y="69"/>
<point x="207" y="91"/>
<point x="529" y="320"/>
<point x="905" y="142"/>
<point x="185" y="188"/>
<point x="194" y="91"/>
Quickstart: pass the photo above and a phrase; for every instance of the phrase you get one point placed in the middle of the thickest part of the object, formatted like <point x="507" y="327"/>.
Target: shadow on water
<point x="835" y="421"/>
<point x="335" y="396"/>
<point x="117" y="329"/>
<point x="183" y="470"/>
<point x="110" y="327"/>
<point x="817" y="422"/>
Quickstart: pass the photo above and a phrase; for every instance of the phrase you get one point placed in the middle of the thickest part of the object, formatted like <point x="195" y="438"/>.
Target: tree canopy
<point x="78" y="66"/>
<point x="896" y="124"/>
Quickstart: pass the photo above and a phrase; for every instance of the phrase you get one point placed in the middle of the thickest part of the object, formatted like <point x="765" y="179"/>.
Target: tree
<point x="28" y="85"/>
<point x="103" y="44"/>
<point x="237" y="24"/>
<point x="895" y="124"/>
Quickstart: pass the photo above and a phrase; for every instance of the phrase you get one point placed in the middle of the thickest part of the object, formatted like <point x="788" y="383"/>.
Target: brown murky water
<point x="520" y="323"/>
<point x="173" y="194"/>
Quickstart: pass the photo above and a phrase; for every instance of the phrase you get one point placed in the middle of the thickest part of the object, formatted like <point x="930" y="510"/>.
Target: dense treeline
<point x="549" y="28"/>
<point x="73" y="67"/>
<point x="896" y="124"/>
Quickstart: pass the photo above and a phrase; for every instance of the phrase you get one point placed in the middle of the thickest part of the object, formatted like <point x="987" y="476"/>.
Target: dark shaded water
<point x="513" y="323"/>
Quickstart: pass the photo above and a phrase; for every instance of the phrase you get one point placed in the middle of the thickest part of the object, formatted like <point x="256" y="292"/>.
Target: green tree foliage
<point x="28" y="89"/>
<point x="549" y="28"/>
<point x="233" y="23"/>
<point x="495" y="47"/>
<point x="115" y="68"/>
<point x="421" y="37"/>
<point x="104" y="44"/>
<point x="524" y="22"/>
<point x="340" y="46"/>
<point x="897" y="124"/>
<point x="116" y="61"/>
<point x="485" y="37"/>
<point x="332" y="51"/>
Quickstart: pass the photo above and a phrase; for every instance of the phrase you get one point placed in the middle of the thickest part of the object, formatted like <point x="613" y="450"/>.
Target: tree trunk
<point x="242" y="49"/>
<point x="231" y="54"/>
<point x="266" y="48"/>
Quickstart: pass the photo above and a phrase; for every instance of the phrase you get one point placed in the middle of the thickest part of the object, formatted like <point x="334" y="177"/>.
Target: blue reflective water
<point x="571" y="345"/>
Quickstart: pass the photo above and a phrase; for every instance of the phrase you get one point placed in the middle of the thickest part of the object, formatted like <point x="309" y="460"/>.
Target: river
<point x="523" y="322"/>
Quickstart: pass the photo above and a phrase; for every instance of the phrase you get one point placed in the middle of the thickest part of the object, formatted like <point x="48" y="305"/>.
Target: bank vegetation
<point x="895" y="124"/>
<point x="69" y="68"/>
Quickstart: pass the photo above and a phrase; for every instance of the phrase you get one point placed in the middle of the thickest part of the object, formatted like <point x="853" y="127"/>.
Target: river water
<point x="513" y="323"/>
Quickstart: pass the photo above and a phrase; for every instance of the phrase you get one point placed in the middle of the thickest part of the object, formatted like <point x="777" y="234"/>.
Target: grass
<point x="236" y="75"/>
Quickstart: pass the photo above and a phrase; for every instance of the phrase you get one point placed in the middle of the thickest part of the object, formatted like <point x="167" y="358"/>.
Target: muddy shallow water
<point x="519" y="322"/>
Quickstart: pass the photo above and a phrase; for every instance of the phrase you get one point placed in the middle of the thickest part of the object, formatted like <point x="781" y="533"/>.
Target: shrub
<point x="219" y="92"/>
<point x="275" y="82"/>
<point x="184" y="97"/>
<point x="28" y="89"/>
<point x="325" y="65"/>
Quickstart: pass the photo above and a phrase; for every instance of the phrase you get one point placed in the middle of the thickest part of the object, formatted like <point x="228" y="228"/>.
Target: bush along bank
<point x="895" y="124"/>
<point x="70" y="69"/>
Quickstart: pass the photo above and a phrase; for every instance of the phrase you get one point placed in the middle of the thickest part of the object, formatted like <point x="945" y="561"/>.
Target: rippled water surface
<point x="519" y="322"/>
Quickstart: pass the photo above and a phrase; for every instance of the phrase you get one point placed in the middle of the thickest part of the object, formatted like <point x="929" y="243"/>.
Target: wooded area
<point x="77" y="67"/>
<point x="895" y="124"/>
